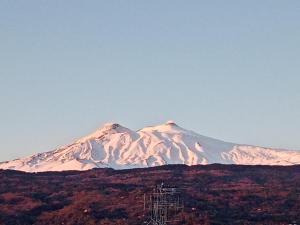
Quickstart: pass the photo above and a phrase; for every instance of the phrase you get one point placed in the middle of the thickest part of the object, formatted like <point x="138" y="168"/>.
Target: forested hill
<point x="212" y="194"/>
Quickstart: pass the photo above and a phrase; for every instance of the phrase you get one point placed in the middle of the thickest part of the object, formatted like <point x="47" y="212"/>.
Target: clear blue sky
<point x="226" y="69"/>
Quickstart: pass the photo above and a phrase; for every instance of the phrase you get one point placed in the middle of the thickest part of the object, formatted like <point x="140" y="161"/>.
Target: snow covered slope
<point x="118" y="147"/>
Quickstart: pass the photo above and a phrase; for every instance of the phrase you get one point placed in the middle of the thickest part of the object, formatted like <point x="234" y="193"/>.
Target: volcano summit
<point x="118" y="147"/>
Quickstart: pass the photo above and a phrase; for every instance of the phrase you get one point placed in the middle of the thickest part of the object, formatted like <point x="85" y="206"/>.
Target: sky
<point x="225" y="69"/>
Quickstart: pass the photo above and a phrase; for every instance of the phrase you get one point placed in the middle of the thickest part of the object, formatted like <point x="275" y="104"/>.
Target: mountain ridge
<point x="118" y="147"/>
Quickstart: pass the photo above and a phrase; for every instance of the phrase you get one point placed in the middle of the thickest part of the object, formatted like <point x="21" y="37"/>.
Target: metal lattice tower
<point x="163" y="204"/>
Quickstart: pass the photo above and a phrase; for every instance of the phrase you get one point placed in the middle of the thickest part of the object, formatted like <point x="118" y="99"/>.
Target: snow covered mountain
<point x="118" y="147"/>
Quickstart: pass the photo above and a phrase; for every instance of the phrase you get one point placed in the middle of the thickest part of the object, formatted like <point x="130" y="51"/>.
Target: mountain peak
<point x="170" y="123"/>
<point x="105" y="129"/>
<point x="168" y="127"/>
<point x="110" y="126"/>
<point x="118" y="147"/>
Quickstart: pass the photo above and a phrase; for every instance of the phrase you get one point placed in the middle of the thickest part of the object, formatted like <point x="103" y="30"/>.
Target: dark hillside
<point x="213" y="194"/>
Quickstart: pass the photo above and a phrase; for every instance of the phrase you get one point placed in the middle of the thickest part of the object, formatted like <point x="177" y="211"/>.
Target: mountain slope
<point x="118" y="147"/>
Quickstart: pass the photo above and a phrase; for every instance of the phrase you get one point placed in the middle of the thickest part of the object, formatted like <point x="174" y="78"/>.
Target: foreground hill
<point x="118" y="147"/>
<point x="212" y="194"/>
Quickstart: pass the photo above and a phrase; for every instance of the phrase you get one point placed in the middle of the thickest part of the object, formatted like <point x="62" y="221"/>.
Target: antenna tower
<point x="163" y="205"/>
